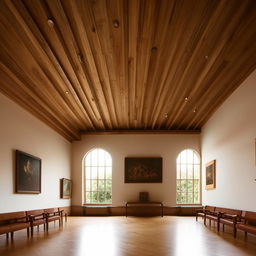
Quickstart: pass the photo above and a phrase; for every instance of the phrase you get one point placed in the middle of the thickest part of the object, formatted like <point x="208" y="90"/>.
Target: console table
<point x="141" y="204"/>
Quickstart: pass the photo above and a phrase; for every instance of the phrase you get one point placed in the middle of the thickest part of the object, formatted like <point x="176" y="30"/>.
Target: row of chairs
<point x="14" y="221"/>
<point x="236" y="219"/>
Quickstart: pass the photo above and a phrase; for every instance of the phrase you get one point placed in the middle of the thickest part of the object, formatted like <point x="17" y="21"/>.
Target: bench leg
<point x="7" y="236"/>
<point x="12" y="235"/>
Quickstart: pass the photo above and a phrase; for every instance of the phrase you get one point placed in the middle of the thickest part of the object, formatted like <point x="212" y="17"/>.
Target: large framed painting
<point x="28" y="173"/>
<point x="210" y="175"/>
<point x="66" y="186"/>
<point x="143" y="170"/>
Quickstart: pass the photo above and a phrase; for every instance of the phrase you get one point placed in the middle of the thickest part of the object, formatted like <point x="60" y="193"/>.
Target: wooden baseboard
<point x="77" y="210"/>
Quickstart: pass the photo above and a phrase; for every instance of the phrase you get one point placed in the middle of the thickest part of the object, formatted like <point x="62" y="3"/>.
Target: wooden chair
<point x="11" y="222"/>
<point x="53" y="214"/>
<point x="36" y="217"/>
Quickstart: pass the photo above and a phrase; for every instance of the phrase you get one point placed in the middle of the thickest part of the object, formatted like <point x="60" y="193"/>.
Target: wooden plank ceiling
<point x="106" y="65"/>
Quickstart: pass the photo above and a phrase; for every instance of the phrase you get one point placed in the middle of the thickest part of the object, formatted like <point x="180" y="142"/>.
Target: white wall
<point x="20" y="130"/>
<point x="120" y="146"/>
<point x="229" y="137"/>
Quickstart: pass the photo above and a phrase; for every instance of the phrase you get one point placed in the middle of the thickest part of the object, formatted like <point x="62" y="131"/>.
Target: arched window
<point x="188" y="177"/>
<point x="98" y="177"/>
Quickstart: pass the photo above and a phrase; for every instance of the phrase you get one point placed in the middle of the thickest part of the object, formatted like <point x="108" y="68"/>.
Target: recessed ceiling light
<point x="195" y="110"/>
<point x="80" y="57"/>
<point x="67" y="92"/>
<point x="116" y="23"/>
<point x="206" y="57"/>
<point x="186" y="99"/>
<point x="50" y="22"/>
<point x="166" y="115"/>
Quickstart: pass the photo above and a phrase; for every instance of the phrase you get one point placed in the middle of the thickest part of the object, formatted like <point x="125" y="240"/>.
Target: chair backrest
<point x="210" y="208"/>
<point x="232" y="211"/>
<point x="35" y="212"/>
<point x="12" y="215"/>
<point x="250" y="217"/>
<point x="51" y="210"/>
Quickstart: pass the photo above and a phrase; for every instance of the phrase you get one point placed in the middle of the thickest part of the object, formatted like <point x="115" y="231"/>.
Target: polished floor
<point x="132" y="236"/>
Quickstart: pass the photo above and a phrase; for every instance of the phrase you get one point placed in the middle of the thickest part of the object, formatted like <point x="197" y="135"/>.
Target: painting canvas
<point x="28" y="173"/>
<point x="143" y="170"/>
<point x="210" y="175"/>
<point x="66" y="185"/>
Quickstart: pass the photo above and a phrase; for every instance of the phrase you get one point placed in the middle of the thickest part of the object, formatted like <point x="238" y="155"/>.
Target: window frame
<point x="179" y="164"/>
<point x="97" y="179"/>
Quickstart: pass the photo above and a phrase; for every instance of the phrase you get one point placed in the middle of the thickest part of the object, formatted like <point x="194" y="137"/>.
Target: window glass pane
<point x="183" y="171"/>
<point x="94" y="185"/>
<point x="108" y="197"/>
<point x="178" y="198"/>
<point x="94" y="197"/>
<point x="190" y="171"/>
<point x="183" y="185"/>
<point x="108" y="159"/>
<point x="196" y="171"/>
<point x="101" y="185"/>
<point x="183" y="157"/>
<point x="101" y="157"/>
<point x="190" y="154"/>
<point x="88" y="172"/>
<point x="178" y="171"/>
<point x="88" y="185"/>
<point x="88" y="160"/>
<point x="101" y="171"/>
<point x="94" y="157"/>
<point x="190" y="198"/>
<point x="88" y="197"/>
<point x="108" y="173"/>
<point x="196" y="198"/>
<point x="190" y="185"/>
<point x="196" y="186"/>
<point x="94" y="172"/>
<point x="101" y="196"/>
<point x="178" y="186"/>
<point x="108" y="185"/>
<point x="183" y="198"/>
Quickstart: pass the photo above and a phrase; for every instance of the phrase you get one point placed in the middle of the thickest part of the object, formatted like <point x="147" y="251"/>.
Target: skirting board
<point x="138" y="211"/>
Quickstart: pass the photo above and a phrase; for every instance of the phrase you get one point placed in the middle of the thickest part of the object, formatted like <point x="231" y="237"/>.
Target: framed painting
<point x="28" y="173"/>
<point x="66" y="186"/>
<point x="143" y="170"/>
<point x="210" y="175"/>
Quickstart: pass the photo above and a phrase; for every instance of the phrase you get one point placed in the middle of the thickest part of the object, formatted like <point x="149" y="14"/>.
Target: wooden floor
<point x="138" y="236"/>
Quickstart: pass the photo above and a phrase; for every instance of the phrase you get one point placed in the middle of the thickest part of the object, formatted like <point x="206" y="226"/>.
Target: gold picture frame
<point x="210" y="175"/>
<point x="66" y="188"/>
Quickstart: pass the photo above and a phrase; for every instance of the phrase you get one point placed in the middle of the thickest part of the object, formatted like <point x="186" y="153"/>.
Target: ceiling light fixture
<point x="50" y="22"/>
<point x="116" y="23"/>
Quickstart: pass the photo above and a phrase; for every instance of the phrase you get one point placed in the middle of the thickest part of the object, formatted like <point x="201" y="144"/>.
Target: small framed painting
<point x="210" y="175"/>
<point x="66" y="186"/>
<point x="28" y="173"/>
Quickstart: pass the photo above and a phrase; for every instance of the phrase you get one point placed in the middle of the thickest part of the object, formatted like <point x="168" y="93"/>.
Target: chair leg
<point x="7" y="236"/>
<point x="218" y="226"/>
<point x="11" y="235"/>
<point x="245" y="234"/>
<point x="38" y="228"/>
<point x="27" y="232"/>
<point x="32" y="231"/>
<point x="234" y="231"/>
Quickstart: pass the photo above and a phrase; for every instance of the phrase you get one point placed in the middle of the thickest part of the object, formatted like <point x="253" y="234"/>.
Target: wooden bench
<point x="11" y="222"/>
<point x="53" y="214"/>
<point x="36" y="217"/>
<point x="247" y="224"/>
